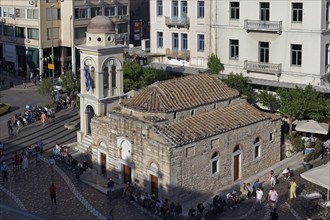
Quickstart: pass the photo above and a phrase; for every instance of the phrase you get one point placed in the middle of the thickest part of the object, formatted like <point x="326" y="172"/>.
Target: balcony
<point x="178" y="54"/>
<point x="178" y="22"/>
<point x="263" y="26"/>
<point x="269" y="68"/>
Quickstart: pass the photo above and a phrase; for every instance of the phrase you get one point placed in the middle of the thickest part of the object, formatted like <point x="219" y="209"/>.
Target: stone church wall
<point x="191" y="164"/>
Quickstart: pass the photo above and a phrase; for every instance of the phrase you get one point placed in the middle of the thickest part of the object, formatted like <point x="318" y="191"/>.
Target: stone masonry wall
<point x="191" y="172"/>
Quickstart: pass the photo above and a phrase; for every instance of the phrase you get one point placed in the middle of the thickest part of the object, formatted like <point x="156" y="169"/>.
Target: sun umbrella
<point x="319" y="176"/>
<point x="312" y="126"/>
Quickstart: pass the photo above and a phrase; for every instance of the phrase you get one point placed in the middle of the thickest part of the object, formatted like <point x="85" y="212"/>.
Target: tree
<point x="301" y="103"/>
<point x="69" y="82"/>
<point x="214" y="64"/>
<point x="269" y="100"/>
<point x="241" y="83"/>
<point x="151" y="75"/>
<point x="136" y="77"/>
<point x="46" y="88"/>
<point x="132" y="76"/>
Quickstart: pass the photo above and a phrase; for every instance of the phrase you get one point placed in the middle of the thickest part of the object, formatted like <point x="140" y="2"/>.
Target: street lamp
<point x="52" y="42"/>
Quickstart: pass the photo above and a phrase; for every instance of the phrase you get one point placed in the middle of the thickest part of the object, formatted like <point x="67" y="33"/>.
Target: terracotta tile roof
<point x="194" y="128"/>
<point x="181" y="93"/>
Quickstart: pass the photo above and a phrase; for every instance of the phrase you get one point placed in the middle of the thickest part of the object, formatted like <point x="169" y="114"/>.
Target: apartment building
<point x="282" y="41"/>
<point x="278" y="42"/>
<point x="180" y="32"/>
<point x="30" y="30"/>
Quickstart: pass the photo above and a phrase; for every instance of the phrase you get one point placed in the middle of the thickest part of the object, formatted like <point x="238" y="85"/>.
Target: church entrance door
<point x="103" y="164"/>
<point x="127" y="174"/>
<point x="237" y="167"/>
<point x="154" y="185"/>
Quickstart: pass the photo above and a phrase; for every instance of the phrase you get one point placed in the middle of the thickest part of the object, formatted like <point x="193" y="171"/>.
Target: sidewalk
<point x="99" y="183"/>
<point x="15" y="82"/>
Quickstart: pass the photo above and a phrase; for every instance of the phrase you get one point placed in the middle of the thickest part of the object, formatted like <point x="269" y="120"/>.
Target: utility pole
<point x="52" y="41"/>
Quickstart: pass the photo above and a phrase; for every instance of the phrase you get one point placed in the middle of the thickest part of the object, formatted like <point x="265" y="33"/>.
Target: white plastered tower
<point x="101" y="62"/>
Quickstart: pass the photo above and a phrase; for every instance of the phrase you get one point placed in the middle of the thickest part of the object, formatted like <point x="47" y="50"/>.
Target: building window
<point x="33" y="33"/>
<point x="264" y="11"/>
<point x="95" y="11"/>
<point x="184" y="42"/>
<point x="52" y="14"/>
<point x="297" y="12"/>
<point x="184" y="8"/>
<point x="175" y="41"/>
<point x="159" y="7"/>
<point x="122" y="28"/>
<point x="327" y="14"/>
<point x="327" y="58"/>
<point x="32" y="14"/>
<point x="80" y="13"/>
<point x="114" y="76"/>
<point x="271" y="136"/>
<point x="20" y="32"/>
<point x="80" y="32"/>
<point x="175" y="8"/>
<point x="122" y="10"/>
<point x="200" y="9"/>
<point x="52" y="33"/>
<point x="234" y="49"/>
<point x="264" y="52"/>
<point x="8" y="31"/>
<point x="296" y="54"/>
<point x="8" y="12"/>
<point x="200" y="42"/>
<point x="20" y="13"/>
<point x="257" y="148"/>
<point x="234" y="10"/>
<point x="215" y="164"/>
<point x="160" y="39"/>
<point x="110" y="11"/>
<point x="174" y="115"/>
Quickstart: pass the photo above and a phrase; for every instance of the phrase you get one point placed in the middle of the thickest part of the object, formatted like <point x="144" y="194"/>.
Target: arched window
<point x="106" y="77"/>
<point x="114" y="76"/>
<point x="257" y="148"/>
<point x="215" y="164"/>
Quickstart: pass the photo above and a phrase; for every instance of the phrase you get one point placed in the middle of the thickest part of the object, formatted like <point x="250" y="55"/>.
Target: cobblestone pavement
<point x="295" y="209"/>
<point x="28" y="190"/>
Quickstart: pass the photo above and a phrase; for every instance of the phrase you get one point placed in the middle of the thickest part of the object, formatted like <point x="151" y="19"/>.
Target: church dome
<point x="100" y="24"/>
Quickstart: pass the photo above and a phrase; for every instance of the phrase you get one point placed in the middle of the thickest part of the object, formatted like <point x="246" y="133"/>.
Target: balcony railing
<point x="177" y="22"/>
<point x="263" y="26"/>
<point x="259" y="67"/>
<point x="178" y="54"/>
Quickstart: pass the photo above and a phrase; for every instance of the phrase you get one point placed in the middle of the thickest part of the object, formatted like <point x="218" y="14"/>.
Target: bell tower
<point x="101" y="75"/>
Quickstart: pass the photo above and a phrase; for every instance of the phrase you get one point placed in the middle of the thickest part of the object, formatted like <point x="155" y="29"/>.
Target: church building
<point x="179" y="138"/>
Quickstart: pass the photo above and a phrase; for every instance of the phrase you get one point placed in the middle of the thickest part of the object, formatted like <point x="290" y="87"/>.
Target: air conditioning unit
<point x="2" y="20"/>
<point x="120" y="17"/>
<point x="31" y="2"/>
<point x="145" y="45"/>
<point x="35" y="3"/>
<point x="27" y="40"/>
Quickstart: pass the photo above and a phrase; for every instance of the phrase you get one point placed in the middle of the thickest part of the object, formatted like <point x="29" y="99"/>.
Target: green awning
<point x="20" y="51"/>
<point x="32" y="58"/>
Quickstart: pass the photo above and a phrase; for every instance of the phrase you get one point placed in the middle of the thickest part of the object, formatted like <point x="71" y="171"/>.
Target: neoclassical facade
<point x="184" y="137"/>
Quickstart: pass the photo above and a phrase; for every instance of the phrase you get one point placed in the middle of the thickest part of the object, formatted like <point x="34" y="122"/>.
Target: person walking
<point x="43" y="119"/>
<point x="52" y="191"/>
<point x="4" y="172"/>
<point x="19" y="125"/>
<point x="272" y="197"/>
<point x="25" y="163"/>
<point x="40" y="147"/>
<point x="259" y="195"/>
<point x="10" y="127"/>
<point x="2" y="151"/>
<point x="293" y="188"/>
<point x="111" y="187"/>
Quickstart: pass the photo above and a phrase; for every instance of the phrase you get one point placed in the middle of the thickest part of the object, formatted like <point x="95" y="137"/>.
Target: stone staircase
<point x="82" y="149"/>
